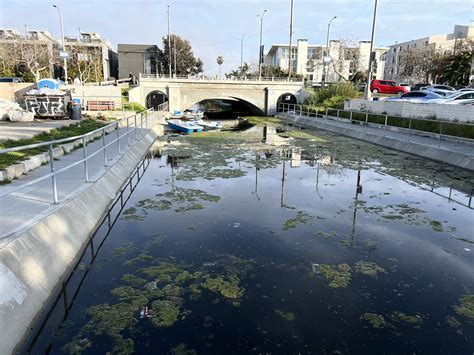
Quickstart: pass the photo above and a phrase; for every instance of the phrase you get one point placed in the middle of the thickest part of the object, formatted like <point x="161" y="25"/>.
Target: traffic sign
<point x="63" y="55"/>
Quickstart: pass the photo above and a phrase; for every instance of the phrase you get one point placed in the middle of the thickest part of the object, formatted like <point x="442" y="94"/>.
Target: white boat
<point x="209" y="125"/>
<point x="184" y="126"/>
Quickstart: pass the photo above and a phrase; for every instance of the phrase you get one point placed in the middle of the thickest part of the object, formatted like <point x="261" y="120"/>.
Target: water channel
<point x="305" y="242"/>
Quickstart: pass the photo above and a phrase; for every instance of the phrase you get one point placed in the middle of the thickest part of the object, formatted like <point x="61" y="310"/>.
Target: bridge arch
<point x="286" y="98"/>
<point x="155" y="98"/>
<point x="223" y="104"/>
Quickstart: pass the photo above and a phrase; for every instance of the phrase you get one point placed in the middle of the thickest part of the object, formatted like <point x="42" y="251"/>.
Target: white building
<point x="396" y="67"/>
<point x="307" y="60"/>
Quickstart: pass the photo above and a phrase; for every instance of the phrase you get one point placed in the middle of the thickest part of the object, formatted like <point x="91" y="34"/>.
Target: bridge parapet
<point x="240" y="80"/>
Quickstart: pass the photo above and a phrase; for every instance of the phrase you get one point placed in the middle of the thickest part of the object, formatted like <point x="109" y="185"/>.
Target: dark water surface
<point x="314" y="246"/>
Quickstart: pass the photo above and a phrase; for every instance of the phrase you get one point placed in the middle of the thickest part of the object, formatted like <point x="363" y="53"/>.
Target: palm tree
<point x="220" y="61"/>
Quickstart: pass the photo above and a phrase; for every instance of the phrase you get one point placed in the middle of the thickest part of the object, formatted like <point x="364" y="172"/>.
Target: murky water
<point x="318" y="244"/>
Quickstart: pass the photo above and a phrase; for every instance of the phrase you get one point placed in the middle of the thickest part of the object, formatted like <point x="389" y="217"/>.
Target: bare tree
<point x="37" y="58"/>
<point x="84" y="63"/>
<point x="418" y="64"/>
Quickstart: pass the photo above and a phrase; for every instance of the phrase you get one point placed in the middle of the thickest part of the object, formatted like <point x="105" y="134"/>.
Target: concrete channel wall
<point x="438" y="154"/>
<point x="461" y="113"/>
<point x="34" y="263"/>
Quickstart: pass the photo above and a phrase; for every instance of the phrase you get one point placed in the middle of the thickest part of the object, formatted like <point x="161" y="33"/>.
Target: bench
<point x="100" y="106"/>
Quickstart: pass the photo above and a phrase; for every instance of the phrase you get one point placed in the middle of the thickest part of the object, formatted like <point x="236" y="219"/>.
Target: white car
<point x="457" y="98"/>
<point x="443" y="90"/>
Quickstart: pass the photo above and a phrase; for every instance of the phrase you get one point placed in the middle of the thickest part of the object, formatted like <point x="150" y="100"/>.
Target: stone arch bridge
<point x="262" y="96"/>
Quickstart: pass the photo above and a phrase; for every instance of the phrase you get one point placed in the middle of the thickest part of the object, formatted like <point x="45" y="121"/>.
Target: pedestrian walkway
<point x="459" y="153"/>
<point x="24" y="207"/>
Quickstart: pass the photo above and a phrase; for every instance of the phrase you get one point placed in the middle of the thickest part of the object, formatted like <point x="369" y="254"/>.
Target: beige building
<point x="307" y="60"/>
<point x="401" y="57"/>
<point x="47" y="48"/>
<point x="89" y="44"/>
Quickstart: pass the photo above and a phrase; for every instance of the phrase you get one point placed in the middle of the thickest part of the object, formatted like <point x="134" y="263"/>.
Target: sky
<point x="215" y="27"/>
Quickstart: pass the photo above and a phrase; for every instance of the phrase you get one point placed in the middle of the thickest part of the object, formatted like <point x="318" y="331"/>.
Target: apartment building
<point x="89" y="44"/>
<point x="45" y="48"/>
<point x="397" y="62"/>
<point x="307" y="60"/>
<point x="41" y="43"/>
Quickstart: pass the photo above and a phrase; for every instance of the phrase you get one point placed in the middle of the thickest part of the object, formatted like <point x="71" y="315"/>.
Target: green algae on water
<point x="453" y="322"/>
<point x="182" y="349"/>
<point x="228" y="288"/>
<point x="131" y="214"/>
<point x="288" y="316"/>
<point x="368" y="268"/>
<point x="300" y="218"/>
<point x="415" y="320"/>
<point x="339" y="275"/>
<point x="125" y="249"/>
<point x="166" y="313"/>
<point x="466" y="307"/>
<point x="375" y="320"/>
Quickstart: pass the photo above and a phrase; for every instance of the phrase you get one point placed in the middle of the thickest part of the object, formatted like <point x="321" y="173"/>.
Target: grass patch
<point x="8" y="159"/>
<point x="264" y="120"/>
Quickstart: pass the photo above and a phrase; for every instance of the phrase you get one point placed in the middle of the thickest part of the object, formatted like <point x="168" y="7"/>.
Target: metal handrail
<point x="299" y="110"/>
<point x="138" y="124"/>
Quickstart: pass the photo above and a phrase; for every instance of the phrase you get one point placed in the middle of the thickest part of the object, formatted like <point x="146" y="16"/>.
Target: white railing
<point x="440" y="130"/>
<point x="215" y="78"/>
<point x="134" y="127"/>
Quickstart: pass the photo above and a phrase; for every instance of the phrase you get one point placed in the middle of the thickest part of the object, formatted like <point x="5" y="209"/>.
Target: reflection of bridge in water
<point x="261" y="97"/>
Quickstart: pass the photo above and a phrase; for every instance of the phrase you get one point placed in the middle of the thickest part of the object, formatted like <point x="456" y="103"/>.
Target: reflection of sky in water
<point x="431" y="272"/>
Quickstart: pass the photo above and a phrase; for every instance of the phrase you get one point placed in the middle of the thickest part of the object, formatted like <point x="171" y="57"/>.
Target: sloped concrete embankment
<point x="426" y="151"/>
<point x="35" y="263"/>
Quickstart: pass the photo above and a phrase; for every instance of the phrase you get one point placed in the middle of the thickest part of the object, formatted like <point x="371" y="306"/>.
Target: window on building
<point x="86" y="38"/>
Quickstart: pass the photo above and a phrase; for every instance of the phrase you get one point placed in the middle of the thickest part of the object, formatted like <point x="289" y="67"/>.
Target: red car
<point x="387" y="87"/>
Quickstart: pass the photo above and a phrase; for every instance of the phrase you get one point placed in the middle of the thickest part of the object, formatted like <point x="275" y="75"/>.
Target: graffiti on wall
<point x="46" y="106"/>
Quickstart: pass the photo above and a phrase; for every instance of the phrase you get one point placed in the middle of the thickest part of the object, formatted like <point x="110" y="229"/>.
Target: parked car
<point x="408" y="86"/>
<point x="466" y="89"/>
<point x="417" y="87"/>
<point x="387" y="87"/>
<point x="457" y="98"/>
<point x="11" y="80"/>
<point x="438" y="87"/>
<point x="416" y="96"/>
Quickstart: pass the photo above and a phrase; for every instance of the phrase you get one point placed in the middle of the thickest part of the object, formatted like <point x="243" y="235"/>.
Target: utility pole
<point x="242" y="53"/>
<point x="291" y="39"/>
<point x="64" y="55"/>
<point x="260" y="52"/>
<point x="367" y="92"/>
<point x="327" y="58"/>
<point x="169" y="43"/>
<point x="174" y="41"/>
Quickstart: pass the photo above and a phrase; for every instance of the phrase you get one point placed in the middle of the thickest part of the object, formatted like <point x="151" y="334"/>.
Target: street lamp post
<point x="291" y="38"/>
<point x="63" y="47"/>
<point x="260" y="51"/>
<point x="327" y="57"/>
<point x="242" y="53"/>
<point x="169" y="43"/>
<point x="367" y="92"/>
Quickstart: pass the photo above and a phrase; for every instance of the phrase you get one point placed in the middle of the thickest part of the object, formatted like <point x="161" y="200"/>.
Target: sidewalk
<point x="28" y="205"/>
<point x="453" y="153"/>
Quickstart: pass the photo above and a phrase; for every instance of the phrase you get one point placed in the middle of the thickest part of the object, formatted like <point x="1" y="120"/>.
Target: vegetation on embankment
<point x="333" y="96"/>
<point x="73" y="130"/>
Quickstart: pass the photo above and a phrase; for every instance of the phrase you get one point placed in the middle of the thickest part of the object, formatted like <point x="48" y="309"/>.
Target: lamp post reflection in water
<point x="356" y="200"/>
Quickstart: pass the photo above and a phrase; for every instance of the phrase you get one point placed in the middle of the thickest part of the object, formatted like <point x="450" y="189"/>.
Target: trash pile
<point x="11" y="111"/>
